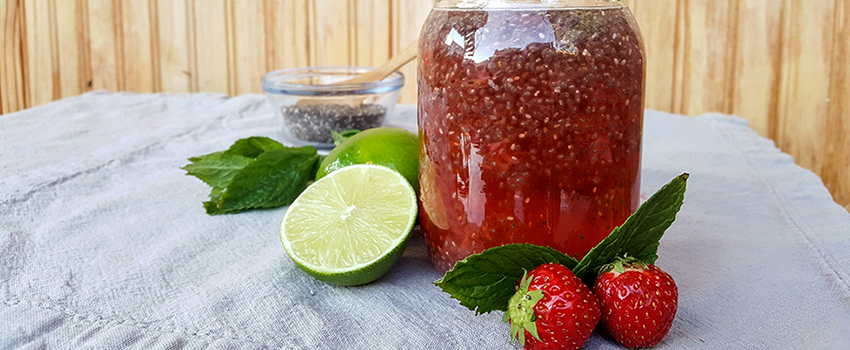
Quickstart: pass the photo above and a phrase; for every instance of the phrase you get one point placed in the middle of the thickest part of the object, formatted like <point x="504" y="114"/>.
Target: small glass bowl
<point x="310" y="107"/>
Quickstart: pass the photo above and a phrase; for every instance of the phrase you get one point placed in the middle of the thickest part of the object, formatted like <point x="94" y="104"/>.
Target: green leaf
<point x="640" y="234"/>
<point x="485" y="282"/>
<point x="339" y="137"/>
<point x="210" y="206"/>
<point x="216" y="192"/>
<point x="254" y="146"/>
<point x="273" y="180"/>
<point x="216" y="169"/>
<point x="201" y="158"/>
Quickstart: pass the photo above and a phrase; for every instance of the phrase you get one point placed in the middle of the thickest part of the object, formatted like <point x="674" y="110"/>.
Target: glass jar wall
<point x="530" y="120"/>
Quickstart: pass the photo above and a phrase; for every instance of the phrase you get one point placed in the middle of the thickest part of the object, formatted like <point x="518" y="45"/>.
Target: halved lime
<point x="350" y="226"/>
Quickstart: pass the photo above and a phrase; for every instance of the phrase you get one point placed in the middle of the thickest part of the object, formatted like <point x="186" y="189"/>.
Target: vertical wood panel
<point x="67" y="50"/>
<point x="836" y="166"/>
<point x="407" y="20"/>
<point x="39" y="58"/>
<point x="173" y="58"/>
<point x="680" y="47"/>
<point x="805" y="84"/>
<point x="330" y="23"/>
<point x="288" y="40"/>
<point x="153" y="25"/>
<point x="708" y="41"/>
<point x="102" y="24"/>
<point x="371" y="32"/>
<point x="210" y="46"/>
<point x="230" y="38"/>
<point x="12" y="86"/>
<point x="8" y="11"/>
<point x="249" y="45"/>
<point x="84" y="69"/>
<point x="757" y="62"/>
<point x="655" y="17"/>
<point x="138" y="68"/>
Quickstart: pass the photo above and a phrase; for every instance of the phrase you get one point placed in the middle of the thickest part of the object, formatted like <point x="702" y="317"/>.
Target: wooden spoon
<point x="377" y="74"/>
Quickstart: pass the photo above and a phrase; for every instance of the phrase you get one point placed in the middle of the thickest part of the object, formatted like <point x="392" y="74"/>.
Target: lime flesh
<point x="351" y="226"/>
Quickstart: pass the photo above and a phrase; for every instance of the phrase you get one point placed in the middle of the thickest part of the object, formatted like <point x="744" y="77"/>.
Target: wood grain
<point x="781" y="64"/>
<point x="371" y="32"/>
<point x="12" y="88"/>
<point x="330" y="21"/>
<point x="68" y="53"/>
<point x="804" y="86"/>
<point x="173" y="45"/>
<point x="755" y="72"/>
<point x="104" y="47"/>
<point x="138" y="67"/>
<point x="407" y="19"/>
<point x="654" y="17"/>
<point x="708" y="44"/>
<point x="287" y="42"/>
<point x="248" y="45"/>
<point x="836" y="166"/>
<point x="211" y="49"/>
<point x="39" y="60"/>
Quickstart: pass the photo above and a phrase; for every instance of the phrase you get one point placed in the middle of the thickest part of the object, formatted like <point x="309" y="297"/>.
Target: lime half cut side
<point x="350" y="227"/>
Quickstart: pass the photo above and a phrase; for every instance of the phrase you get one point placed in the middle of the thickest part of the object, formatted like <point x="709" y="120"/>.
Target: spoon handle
<point x="378" y="74"/>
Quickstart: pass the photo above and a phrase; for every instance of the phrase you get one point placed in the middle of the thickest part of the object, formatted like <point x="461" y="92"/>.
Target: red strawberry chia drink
<point x="530" y="119"/>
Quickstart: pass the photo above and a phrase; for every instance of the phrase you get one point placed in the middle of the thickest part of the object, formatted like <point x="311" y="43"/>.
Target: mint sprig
<point x="254" y="173"/>
<point x="216" y="169"/>
<point x="640" y="234"/>
<point x="485" y="282"/>
<point x="254" y="146"/>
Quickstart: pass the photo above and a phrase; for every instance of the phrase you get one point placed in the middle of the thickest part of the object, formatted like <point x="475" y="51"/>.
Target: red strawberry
<point x="552" y="309"/>
<point x="638" y="302"/>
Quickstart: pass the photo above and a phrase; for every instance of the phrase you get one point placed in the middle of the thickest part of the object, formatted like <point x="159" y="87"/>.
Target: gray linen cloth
<point x="104" y="243"/>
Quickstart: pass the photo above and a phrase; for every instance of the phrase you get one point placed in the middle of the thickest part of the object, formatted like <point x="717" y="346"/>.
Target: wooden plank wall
<point x="781" y="64"/>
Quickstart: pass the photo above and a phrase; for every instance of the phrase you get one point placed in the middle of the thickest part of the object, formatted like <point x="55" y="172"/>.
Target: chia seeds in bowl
<point x="314" y="123"/>
<point x="310" y="106"/>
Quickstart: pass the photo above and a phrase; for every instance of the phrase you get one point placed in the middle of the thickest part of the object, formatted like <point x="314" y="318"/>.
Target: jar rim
<point x="521" y="4"/>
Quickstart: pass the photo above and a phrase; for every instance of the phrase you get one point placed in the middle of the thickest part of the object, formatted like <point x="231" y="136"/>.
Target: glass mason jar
<point x="530" y="121"/>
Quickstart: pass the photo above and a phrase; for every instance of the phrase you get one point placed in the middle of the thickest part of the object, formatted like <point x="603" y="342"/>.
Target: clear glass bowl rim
<point x="274" y="82"/>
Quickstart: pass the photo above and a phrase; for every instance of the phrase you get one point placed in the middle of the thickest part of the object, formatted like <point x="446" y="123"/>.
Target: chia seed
<point x="314" y="123"/>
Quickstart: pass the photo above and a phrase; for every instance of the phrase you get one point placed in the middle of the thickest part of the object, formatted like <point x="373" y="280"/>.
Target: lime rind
<point x="350" y="227"/>
<point x="395" y="148"/>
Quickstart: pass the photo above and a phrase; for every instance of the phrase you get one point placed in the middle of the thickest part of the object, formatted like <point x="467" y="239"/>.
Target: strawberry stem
<point x="521" y="310"/>
<point x="620" y="263"/>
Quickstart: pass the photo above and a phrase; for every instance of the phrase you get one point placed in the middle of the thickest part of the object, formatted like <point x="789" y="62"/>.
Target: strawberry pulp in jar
<point x="530" y="120"/>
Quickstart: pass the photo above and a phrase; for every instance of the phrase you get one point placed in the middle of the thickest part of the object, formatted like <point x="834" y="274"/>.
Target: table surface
<point x="104" y="242"/>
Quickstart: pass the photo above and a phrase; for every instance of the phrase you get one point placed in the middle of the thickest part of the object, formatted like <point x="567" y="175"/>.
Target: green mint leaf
<point x="485" y="282"/>
<point x="640" y="234"/>
<point x="210" y="206"/>
<point x="273" y="180"/>
<point x="254" y="146"/>
<point x="339" y="137"/>
<point x="216" y="169"/>
<point x="216" y="192"/>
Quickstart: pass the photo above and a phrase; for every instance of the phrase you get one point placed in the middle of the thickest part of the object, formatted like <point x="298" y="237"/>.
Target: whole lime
<point x="395" y="148"/>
